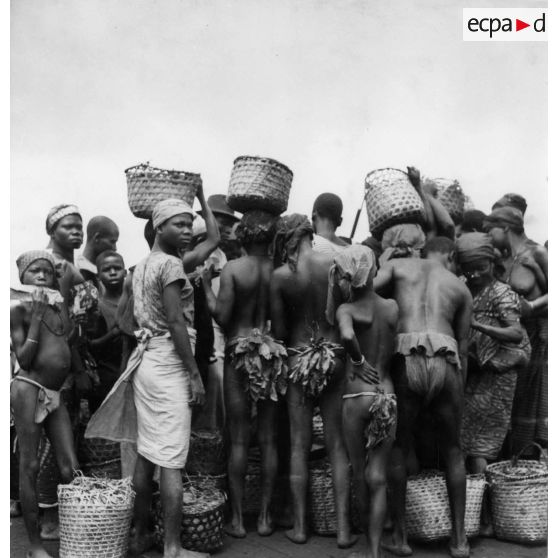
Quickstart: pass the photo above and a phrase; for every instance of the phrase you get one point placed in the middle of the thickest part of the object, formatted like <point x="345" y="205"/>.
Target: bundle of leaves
<point x="263" y="360"/>
<point x="383" y="414"/>
<point x="314" y="366"/>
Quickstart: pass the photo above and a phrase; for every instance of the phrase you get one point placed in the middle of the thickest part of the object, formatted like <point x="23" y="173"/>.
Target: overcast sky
<point x="332" y="89"/>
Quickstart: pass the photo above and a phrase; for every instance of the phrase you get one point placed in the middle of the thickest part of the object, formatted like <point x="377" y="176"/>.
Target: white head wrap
<point x="171" y="207"/>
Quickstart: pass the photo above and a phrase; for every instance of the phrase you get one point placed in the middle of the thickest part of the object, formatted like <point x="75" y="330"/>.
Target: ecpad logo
<point x="505" y="24"/>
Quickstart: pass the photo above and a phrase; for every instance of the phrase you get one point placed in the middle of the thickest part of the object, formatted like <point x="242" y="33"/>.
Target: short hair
<point x="100" y="224"/>
<point x="108" y="254"/>
<point x="473" y="220"/>
<point x="439" y="245"/>
<point x="329" y="206"/>
<point x="149" y="233"/>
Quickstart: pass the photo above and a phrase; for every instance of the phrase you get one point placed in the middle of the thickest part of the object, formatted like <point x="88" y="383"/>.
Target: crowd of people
<point x="432" y="336"/>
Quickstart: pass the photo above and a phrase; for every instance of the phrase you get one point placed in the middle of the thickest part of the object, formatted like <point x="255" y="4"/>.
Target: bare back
<point x="429" y="296"/>
<point x="303" y="295"/>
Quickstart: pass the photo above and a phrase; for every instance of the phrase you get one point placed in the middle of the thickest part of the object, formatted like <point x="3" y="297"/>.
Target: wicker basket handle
<point x="542" y="453"/>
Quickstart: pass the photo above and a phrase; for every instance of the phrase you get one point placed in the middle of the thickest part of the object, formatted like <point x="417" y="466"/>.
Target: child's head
<point x="37" y="267"/>
<point x="111" y="270"/>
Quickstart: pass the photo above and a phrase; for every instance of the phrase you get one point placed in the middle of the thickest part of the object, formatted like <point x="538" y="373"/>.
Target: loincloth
<point x="383" y="416"/>
<point x="262" y="362"/>
<point x="48" y="400"/>
<point x="315" y="365"/>
<point x="427" y="356"/>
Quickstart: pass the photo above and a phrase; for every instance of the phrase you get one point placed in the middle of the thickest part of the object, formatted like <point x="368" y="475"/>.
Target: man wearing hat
<point x="227" y="221"/>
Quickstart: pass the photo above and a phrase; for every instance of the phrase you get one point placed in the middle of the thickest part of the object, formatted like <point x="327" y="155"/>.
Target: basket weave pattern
<point x="453" y="199"/>
<point x="427" y="513"/>
<point x="519" y="499"/>
<point x="259" y="183"/>
<point x="206" y="454"/>
<point x="149" y="185"/>
<point x="391" y="199"/>
<point x="323" y="517"/>
<point x="93" y="530"/>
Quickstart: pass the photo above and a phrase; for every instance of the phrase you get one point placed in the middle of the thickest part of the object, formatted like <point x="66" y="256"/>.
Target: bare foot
<point x="265" y="525"/>
<point x="461" y="551"/>
<point x="38" y="552"/>
<point x="298" y="537"/>
<point x="50" y="532"/>
<point x="346" y="541"/>
<point x="183" y="553"/>
<point x="138" y="544"/>
<point x="399" y="549"/>
<point x="235" y="530"/>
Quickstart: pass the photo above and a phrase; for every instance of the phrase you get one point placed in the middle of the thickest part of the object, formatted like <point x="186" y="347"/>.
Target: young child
<point x="367" y="328"/>
<point x="106" y="346"/>
<point x="39" y="334"/>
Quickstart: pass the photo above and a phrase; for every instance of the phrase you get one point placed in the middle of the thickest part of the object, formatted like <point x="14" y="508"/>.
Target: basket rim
<point x="383" y="169"/>
<point x="261" y="159"/>
<point x="148" y="166"/>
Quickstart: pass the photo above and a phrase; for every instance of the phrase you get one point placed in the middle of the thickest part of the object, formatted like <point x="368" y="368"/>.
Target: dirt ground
<point x="278" y="546"/>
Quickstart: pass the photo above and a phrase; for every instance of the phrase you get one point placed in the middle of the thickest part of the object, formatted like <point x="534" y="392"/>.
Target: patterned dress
<point x="491" y="383"/>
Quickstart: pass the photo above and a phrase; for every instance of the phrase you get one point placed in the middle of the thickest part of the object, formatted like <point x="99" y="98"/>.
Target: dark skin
<point x="367" y="328"/>
<point x="45" y="357"/>
<point x="172" y="236"/>
<point x="430" y="298"/>
<point x="102" y="234"/>
<point x="241" y="305"/>
<point x="298" y="303"/>
<point x="326" y="227"/>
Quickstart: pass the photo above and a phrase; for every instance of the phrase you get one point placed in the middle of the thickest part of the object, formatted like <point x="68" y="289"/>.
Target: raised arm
<point x="443" y="225"/>
<point x="201" y="252"/>
<point x="277" y="305"/>
<point x="221" y="306"/>
<point x="181" y="339"/>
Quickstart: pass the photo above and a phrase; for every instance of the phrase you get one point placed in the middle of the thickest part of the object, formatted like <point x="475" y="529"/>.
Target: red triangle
<point x="519" y="25"/>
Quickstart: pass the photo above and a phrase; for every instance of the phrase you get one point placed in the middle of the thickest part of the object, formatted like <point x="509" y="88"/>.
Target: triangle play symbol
<point x="519" y="25"/>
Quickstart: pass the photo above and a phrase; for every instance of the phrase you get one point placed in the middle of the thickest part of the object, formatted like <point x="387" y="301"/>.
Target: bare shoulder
<point x="17" y="315"/>
<point x="281" y="273"/>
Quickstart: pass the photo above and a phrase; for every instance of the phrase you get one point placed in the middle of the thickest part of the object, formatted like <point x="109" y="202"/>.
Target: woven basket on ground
<point x="519" y="499"/>
<point x="391" y="199"/>
<point x="453" y="199"/>
<point x="111" y="469"/>
<point x="202" y="520"/>
<point x="49" y="475"/>
<point x="206" y="482"/>
<point x="148" y="185"/>
<point x="95" y="517"/>
<point x="206" y="454"/>
<point x="427" y="512"/>
<point x="259" y="183"/>
<point x="97" y="450"/>
<point x="323" y="518"/>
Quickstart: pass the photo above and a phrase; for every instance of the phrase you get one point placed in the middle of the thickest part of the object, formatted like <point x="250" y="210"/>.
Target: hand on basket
<point x="414" y="177"/>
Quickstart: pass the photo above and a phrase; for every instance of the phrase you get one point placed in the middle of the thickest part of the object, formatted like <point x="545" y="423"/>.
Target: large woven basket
<point x="149" y="185"/>
<point x="206" y="482"/>
<point x="98" y="450"/>
<point x="202" y="521"/>
<point x="111" y="469"/>
<point x="391" y="199"/>
<point x="206" y="454"/>
<point x="95" y="517"/>
<point x="519" y="499"/>
<point x="427" y="512"/>
<point x="323" y="518"/>
<point x="453" y="199"/>
<point x="259" y="183"/>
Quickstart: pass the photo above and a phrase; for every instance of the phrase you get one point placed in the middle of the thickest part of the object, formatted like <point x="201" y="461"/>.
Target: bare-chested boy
<point x="39" y="335"/>
<point x="299" y="295"/>
<point x="242" y="309"/>
<point x="429" y="371"/>
<point x="367" y="327"/>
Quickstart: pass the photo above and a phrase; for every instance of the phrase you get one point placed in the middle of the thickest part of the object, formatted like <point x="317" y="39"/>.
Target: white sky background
<point x="332" y="89"/>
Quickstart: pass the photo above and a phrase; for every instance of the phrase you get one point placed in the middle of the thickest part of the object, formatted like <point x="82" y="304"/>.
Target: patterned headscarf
<point x="474" y="246"/>
<point x="291" y="229"/>
<point x="402" y="241"/>
<point x="354" y="264"/>
<point x="27" y="258"/>
<point x="57" y="213"/>
<point x="169" y="208"/>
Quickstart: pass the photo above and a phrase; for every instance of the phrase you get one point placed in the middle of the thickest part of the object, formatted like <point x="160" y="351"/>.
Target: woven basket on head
<point x="391" y="199"/>
<point x="148" y="185"/>
<point x="453" y="199"/>
<point x="427" y="512"/>
<point x="206" y="454"/>
<point x="48" y="477"/>
<point x="202" y="520"/>
<point x="259" y="183"/>
<point x="519" y="499"/>
<point x="323" y="518"/>
<point x="95" y="517"/>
